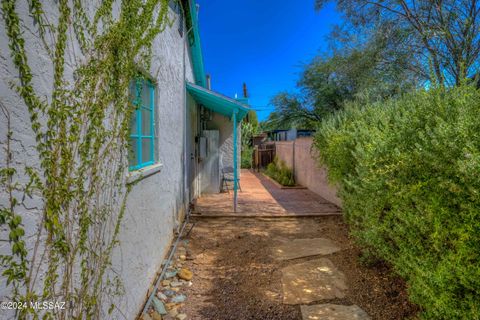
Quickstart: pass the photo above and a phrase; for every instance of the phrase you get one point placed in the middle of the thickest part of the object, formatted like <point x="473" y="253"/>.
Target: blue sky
<point x="262" y="43"/>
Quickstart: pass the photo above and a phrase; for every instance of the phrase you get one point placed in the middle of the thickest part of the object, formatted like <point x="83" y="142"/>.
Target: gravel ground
<point x="236" y="277"/>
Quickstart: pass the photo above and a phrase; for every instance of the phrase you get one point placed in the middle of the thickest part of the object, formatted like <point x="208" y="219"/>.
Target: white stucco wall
<point x="23" y="144"/>
<point x="156" y="203"/>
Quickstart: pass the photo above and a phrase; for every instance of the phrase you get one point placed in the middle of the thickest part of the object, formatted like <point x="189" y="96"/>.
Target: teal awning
<point x="216" y="102"/>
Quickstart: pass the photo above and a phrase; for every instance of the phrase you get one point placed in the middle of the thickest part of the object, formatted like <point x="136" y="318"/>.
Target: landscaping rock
<point x="333" y="312"/>
<point x="173" y="312"/>
<point x="161" y="296"/>
<point x="145" y="316"/>
<point x="170" y="274"/>
<point x="156" y="316"/>
<point x="169" y="293"/>
<point x="159" y="306"/>
<point x="166" y="283"/>
<point x="176" y="284"/>
<point x="181" y="316"/>
<point x="178" y="299"/>
<point x="170" y="305"/>
<point x="185" y="274"/>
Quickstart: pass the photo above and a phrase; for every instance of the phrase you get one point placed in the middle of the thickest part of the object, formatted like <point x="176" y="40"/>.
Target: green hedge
<point x="409" y="176"/>
<point x="279" y="171"/>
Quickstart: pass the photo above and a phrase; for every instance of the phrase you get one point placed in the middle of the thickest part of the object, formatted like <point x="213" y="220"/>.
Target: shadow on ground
<point x="261" y="197"/>
<point x="297" y="201"/>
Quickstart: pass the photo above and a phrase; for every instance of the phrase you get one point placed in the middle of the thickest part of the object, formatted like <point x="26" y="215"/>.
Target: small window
<point x="142" y="124"/>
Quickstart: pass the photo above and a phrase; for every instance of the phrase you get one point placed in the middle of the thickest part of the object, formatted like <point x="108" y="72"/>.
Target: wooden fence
<point x="263" y="155"/>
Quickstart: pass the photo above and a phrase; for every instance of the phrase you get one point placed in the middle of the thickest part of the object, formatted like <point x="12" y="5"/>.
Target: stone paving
<point x="315" y="280"/>
<point x="333" y="312"/>
<point x="312" y="281"/>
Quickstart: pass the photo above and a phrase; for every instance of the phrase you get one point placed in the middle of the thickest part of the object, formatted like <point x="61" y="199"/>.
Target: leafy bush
<point x="246" y="157"/>
<point x="279" y="171"/>
<point x="409" y="176"/>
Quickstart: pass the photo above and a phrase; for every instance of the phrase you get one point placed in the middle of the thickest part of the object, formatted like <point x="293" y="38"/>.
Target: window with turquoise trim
<point x="142" y="124"/>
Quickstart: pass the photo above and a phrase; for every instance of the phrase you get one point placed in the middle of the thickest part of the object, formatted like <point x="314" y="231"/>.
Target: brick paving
<point x="262" y="197"/>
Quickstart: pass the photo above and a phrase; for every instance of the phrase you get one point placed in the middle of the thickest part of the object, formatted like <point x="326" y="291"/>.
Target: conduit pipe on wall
<point x="167" y="263"/>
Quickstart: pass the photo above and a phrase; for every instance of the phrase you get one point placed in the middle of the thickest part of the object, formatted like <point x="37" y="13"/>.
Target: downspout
<point x="235" y="162"/>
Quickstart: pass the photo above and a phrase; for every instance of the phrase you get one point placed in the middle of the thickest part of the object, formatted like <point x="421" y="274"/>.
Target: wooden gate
<point x="263" y="155"/>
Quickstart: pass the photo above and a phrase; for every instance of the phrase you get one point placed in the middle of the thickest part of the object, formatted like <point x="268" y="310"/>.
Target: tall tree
<point x="369" y="66"/>
<point x="443" y="35"/>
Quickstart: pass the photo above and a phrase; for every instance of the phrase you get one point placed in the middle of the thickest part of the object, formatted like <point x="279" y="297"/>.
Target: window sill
<point x="140" y="174"/>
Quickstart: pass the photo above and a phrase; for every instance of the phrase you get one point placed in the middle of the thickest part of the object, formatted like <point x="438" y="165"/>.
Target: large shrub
<point x="279" y="171"/>
<point x="409" y="176"/>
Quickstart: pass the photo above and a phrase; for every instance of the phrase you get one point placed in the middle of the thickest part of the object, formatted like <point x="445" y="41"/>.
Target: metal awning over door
<point x="228" y="107"/>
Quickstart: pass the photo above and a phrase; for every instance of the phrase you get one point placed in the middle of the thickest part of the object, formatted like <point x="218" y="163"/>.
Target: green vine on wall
<point x="81" y="132"/>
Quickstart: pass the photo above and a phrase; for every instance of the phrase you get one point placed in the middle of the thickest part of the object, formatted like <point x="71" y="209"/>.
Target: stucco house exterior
<point x="181" y="137"/>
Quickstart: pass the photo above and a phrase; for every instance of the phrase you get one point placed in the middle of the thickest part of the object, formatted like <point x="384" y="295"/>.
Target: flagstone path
<point x="315" y="280"/>
<point x="277" y="265"/>
<point x="333" y="312"/>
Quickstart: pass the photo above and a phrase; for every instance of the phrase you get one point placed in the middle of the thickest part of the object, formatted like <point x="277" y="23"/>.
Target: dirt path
<point x="236" y="275"/>
<point x="285" y="254"/>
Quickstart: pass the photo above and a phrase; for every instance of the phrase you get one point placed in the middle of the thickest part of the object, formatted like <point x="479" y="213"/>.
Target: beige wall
<point x="298" y="154"/>
<point x="284" y="150"/>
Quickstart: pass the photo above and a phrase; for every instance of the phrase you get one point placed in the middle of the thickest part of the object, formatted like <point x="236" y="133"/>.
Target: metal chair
<point x="228" y="176"/>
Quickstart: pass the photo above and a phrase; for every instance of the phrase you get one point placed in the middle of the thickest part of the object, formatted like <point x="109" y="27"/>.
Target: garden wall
<point x="299" y="156"/>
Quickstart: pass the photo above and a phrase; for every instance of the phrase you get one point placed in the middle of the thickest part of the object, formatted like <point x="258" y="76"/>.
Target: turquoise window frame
<point x="139" y="137"/>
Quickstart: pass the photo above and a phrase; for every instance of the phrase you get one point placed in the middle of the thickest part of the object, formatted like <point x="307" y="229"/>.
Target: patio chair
<point x="227" y="176"/>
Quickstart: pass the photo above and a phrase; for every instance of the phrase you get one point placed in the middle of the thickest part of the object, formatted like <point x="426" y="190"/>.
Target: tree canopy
<point x="381" y="49"/>
<point x="356" y="68"/>
<point x="442" y="35"/>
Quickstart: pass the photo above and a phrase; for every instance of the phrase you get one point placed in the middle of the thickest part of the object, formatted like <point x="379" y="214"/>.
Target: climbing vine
<point x="81" y="134"/>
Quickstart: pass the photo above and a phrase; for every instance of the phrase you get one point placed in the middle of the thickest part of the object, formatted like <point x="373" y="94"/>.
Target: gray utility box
<point x="203" y="148"/>
<point x="209" y="167"/>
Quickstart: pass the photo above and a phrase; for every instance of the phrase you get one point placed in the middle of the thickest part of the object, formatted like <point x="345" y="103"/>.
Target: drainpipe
<point x="235" y="164"/>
